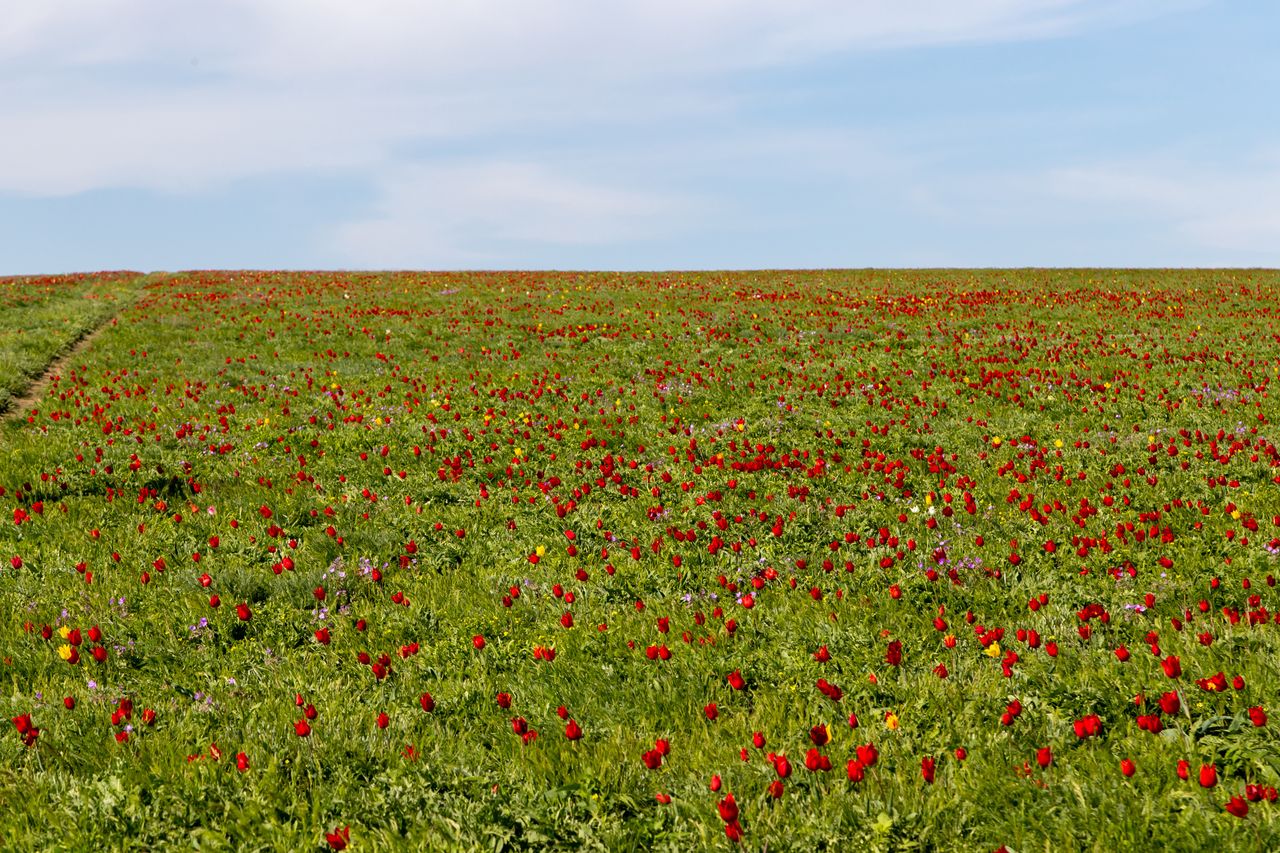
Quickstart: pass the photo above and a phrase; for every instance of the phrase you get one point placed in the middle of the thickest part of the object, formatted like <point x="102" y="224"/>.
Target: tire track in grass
<point x="21" y="401"/>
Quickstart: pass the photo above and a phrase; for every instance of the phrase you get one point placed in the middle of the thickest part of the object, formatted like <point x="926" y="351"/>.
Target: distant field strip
<point x="44" y="318"/>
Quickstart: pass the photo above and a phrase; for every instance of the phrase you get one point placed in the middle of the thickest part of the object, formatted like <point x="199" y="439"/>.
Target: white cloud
<point x="451" y="216"/>
<point x="181" y="95"/>
<point x="627" y="38"/>
<point x="290" y="37"/>
<point x="1168" y="208"/>
<point x="1234" y="208"/>
<point x="409" y="95"/>
<point x="170" y="146"/>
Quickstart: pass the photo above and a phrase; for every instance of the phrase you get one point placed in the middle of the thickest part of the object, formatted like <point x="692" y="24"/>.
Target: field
<point x="793" y="561"/>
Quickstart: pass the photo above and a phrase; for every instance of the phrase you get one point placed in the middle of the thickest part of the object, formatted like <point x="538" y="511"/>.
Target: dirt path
<point x="20" y="404"/>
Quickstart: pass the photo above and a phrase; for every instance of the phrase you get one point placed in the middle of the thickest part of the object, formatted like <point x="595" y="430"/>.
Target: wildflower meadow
<point x="822" y="560"/>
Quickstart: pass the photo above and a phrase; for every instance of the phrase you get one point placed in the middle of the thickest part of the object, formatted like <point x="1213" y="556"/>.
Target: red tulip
<point x="816" y="761"/>
<point x="1088" y="726"/>
<point x="1208" y="775"/>
<point x="728" y="808"/>
<point x="339" y="838"/>
<point x="27" y="730"/>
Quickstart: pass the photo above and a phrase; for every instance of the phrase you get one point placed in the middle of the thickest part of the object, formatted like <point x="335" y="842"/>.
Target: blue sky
<point x="152" y="134"/>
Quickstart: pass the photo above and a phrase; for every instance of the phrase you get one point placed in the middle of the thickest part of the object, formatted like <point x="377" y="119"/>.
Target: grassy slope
<point x="284" y="349"/>
<point x="41" y="318"/>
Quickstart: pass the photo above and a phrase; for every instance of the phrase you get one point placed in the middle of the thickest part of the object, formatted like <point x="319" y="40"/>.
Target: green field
<point x="902" y="560"/>
<point x="41" y="318"/>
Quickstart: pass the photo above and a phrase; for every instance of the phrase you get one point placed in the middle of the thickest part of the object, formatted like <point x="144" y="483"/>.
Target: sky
<point x="600" y="134"/>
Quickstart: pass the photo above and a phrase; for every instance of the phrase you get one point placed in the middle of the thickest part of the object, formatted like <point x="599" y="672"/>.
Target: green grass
<point x="41" y="318"/>
<point x="630" y="411"/>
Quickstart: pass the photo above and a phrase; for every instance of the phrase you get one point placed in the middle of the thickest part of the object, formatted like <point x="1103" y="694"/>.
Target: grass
<point x="471" y="468"/>
<point x="42" y="318"/>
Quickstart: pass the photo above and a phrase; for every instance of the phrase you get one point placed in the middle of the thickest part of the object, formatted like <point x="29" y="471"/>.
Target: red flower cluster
<point x="1088" y="726"/>
<point x="26" y="729"/>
